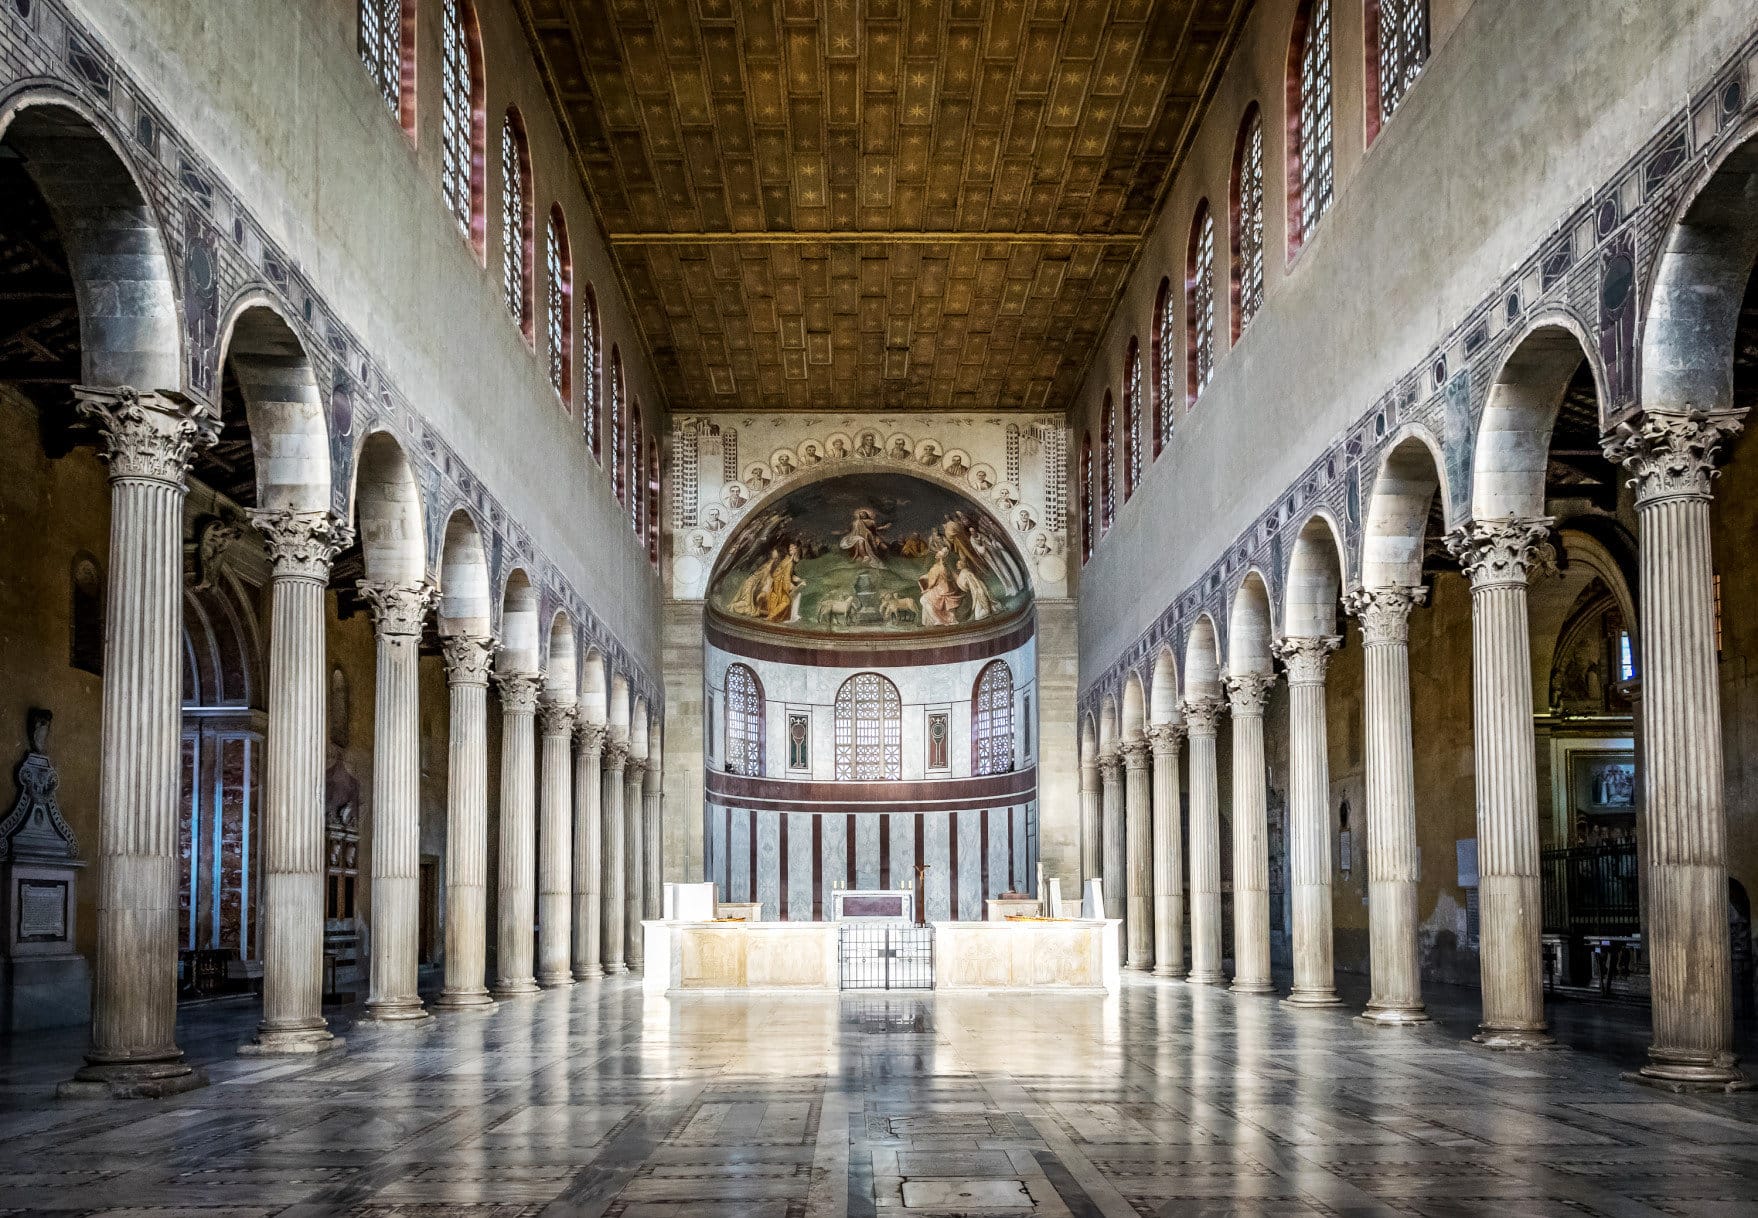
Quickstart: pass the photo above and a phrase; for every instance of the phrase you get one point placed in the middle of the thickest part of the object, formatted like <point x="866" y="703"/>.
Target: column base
<point x="1253" y="987"/>
<point x="591" y="972"/>
<point x="1313" y="998"/>
<point x="1515" y="1038"/>
<point x="464" y="1000"/>
<point x="397" y="1010"/>
<point x="132" y="1080"/>
<point x="1170" y="972"/>
<point x="1206" y="977"/>
<point x="615" y="968"/>
<point x="514" y="989"/>
<point x="289" y="1042"/>
<point x="1682" y="1070"/>
<point x="1141" y="965"/>
<point x="1393" y="1017"/>
<point x="555" y="981"/>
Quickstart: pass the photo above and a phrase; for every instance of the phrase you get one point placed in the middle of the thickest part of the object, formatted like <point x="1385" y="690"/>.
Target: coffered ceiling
<point x="877" y="204"/>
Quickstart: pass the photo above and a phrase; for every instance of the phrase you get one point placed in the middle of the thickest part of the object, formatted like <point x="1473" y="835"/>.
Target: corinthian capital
<point x="1135" y="754"/>
<point x="1501" y="552"/>
<point x="1672" y="456"/>
<point x="616" y="755"/>
<point x="1247" y="694"/>
<point x="149" y="436"/>
<point x="398" y="610"/>
<point x="1164" y="737"/>
<point x="1384" y="612"/>
<point x="518" y="691"/>
<point x="556" y="718"/>
<point x="1202" y="715"/>
<point x="1306" y="658"/>
<point x="469" y="658"/>
<point x="589" y="736"/>
<point x="301" y="544"/>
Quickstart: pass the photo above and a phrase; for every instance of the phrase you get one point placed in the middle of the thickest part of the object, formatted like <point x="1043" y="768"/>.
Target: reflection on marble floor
<point x="1167" y="1099"/>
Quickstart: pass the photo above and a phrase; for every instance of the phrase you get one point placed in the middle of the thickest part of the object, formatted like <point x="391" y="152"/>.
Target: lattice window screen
<point x="1315" y="117"/>
<point x="992" y="721"/>
<point x="869" y="730"/>
<point x="744" y="722"/>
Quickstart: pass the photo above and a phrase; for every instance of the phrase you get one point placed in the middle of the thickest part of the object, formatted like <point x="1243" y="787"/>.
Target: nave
<point x="1164" y="1099"/>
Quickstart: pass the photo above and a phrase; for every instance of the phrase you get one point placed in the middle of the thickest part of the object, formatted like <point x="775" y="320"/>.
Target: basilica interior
<point x="775" y="608"/>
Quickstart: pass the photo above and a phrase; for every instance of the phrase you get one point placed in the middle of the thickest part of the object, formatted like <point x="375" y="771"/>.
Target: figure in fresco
<point x="784" y="585"/>
<point x="862" y="541"/>
<point x="838" y="448"/>
<point x="784" y="464"/>
<point x="982" y="604"/>
<point x="869" y="446"/>
<point x="955" y="466"/>
<point x="758" y="477"/>
<point x="899" y="450"/>
<point x="930" y="454"/>
<point x="809" y="453"/>
<point x="981" y="480"/>
<point x="940" y="598"/>
<point x="756" y="585"/>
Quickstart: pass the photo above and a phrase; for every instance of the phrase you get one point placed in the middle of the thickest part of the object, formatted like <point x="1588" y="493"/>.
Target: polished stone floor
<point x="1167" y="1100"/>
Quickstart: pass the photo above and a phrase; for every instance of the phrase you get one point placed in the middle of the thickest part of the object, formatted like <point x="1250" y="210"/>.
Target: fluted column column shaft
<point x="1684" y="810"/>
<point x="1309" y="820"/>
<point x="301" y="545"/>
<point x="468" y="662"/>
<point x="556" y="848"/>
<point x="1111" y="831"/>
<point x="1251" y="843"/>
<point x="634" y="873"/>
<point x="1168" y="853"/>
<point x="1394" y="960"/>
<point x="1201" y="718"/>
<point x="398" y="612"/>
<point x="588" y="947"/>
<point x="1138" y="861"/>
<point x="616" y="756"/>
<point x="1498" y="557"/>
<point x="1091" y="861"/>
<point x="517" y="905"/>
<point x="148" y="440"/>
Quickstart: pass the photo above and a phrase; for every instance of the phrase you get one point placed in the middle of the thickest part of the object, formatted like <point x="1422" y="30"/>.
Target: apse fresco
<point x="870" y="553"/>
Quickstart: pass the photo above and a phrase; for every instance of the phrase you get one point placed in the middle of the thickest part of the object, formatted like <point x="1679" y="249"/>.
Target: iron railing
<point x="886" y="956"/>
<point x="1591" y="890"/>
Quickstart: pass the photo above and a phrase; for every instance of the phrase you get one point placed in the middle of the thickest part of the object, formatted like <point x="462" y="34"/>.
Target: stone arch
<point x="1411" y="474"/>
<point x="1314" y="584"/>
<point x="1250" y="627"/>
<point x="618" y="714"/>
<point x="388" y="512"/>
<point x="289" y="430"/>
<point x="1698" y="285"/>
<point x="466" y="604"/>
<point x="1135" y="707"/>
<point x="521" y="646"/>
<point x="1163" y="694"/>
<point x="1513" y="438"/>
<point x="1108" y="724"/>
<point x="594" y="688"/>
<point x="1089" y="740"/>
<point x="561" y="674"/>
<point x="222" y="646"/>
<point x="639" y="739"/>
<point x="130" y="324"/>
<point x="1202" y="660"/>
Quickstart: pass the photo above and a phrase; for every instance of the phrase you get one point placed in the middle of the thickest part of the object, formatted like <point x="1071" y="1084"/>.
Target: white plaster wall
<point x="1521" y="111"/>
<point x="275" y="93"/>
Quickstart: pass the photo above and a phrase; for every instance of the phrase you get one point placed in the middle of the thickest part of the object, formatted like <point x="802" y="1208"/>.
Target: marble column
<point x="1394" y="962"/>
<point x="300" y="545"/>
<point x="1498" y="557"/>
<point x="1168" y="833"/>
<point x="1202" y="716"/>
<point x="1091" y="863"/>
<point x="588" y="852"/>
<point x="517" y="907"/>
<point x="148" y="440"/>
<point x="653" y="885"/>
<point x="616" y="757"/>
<point x="1309" y="820"/>
<point x="1671" y="458"/>
<point x="634" y="874"/>
<point x="398" y="611"/>
<point x="1246" y="696"/>
<point x="555" y="860"/>
<point x="1138" y="854"/>
<point x="1111" y="831"/>
<point x="469" y="660"/>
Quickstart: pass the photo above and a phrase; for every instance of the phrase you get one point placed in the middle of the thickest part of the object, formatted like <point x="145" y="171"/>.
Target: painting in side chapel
<point x="871" y="553"/>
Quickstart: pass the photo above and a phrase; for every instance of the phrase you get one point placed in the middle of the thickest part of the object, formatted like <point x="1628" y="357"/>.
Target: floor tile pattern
<point x="1165" y="1100"/>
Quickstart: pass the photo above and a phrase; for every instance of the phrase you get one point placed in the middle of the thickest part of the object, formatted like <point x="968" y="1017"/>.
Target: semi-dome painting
<point x="870" y="553"/>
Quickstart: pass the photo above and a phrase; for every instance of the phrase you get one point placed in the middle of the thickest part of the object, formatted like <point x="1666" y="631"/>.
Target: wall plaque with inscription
<point x="42" y="911"/>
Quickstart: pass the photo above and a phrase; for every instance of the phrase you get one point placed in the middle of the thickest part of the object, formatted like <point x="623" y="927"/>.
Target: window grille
<point x="1315" y="117"/>
<point x="869" y="729"/>
<point x="557" y="302"/>
<point x="1165" y="352"/>
<point x="992" y="721"/>
<point x="515" y="220"/>
<point x="618" y="455"/>
<point x="589" y="367"/>
<point x="1107" y="463"/>
<point x="1202" y="304"/>
<point x="744" y="722"/>
<point x="1132" y="407"/>
<point x="381" y="47"/>
<point x="457" y="114"/>
<point x="1403" y="49"/>
<point x="1248" y="208"/>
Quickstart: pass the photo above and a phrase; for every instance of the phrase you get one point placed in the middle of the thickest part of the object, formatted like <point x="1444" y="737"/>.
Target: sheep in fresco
<point x="835" y="608"/>
<point x="898" y="608"/>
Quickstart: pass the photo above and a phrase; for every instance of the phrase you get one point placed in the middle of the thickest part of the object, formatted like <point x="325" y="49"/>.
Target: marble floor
<point x="1166" y="1100"/>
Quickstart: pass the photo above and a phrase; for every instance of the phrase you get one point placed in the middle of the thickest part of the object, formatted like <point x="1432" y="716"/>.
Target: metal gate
<point x="887" y="956"/>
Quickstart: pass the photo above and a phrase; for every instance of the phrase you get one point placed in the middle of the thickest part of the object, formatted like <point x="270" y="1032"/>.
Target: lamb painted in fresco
<point x="898" y="608"/>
